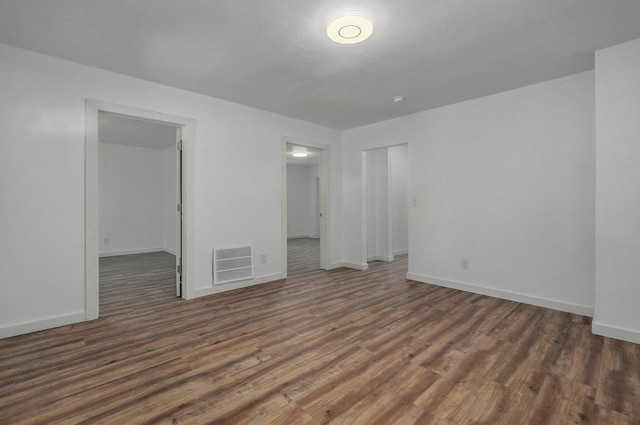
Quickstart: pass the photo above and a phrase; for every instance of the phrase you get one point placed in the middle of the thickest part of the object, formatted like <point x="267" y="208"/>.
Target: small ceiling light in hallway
<point x="350" y="27"/>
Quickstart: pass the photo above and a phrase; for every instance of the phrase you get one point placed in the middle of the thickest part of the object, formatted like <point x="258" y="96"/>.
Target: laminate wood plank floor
<point x="303" y="255"/>
<point x="327" y="347"/>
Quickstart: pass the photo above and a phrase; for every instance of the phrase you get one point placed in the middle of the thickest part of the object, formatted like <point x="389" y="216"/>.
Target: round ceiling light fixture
<point x="350" y="27"/>
<point x="299" y="152"/>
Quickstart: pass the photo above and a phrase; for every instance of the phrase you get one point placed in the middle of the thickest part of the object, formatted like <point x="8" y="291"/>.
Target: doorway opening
<point x="139" y="173"/>
<point x="385" y="207"/>
<point x="138" y="193"/>
<point x="305" y="238"/>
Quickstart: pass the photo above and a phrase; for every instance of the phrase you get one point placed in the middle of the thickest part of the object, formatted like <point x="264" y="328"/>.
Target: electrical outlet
<point x="263" y="258"/>
<point x="464" y="263"/>
<point x="106" y="241"/>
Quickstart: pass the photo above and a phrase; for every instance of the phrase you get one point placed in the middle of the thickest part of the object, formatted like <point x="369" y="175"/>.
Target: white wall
<point x="313" y="224"/>
<point x="134" y="188"/>
<point x="370" y="189"/>
<point x="298" y="201"/>
<point x="398" y="192"/>
<point x="387" y="212"/>
<point x="618" y="192"/>
<point x="302" y="200"/>
<point x="506" y="181"/>
<point x="378" y="208"/>
<point x="237" y="181"/>
<point x="169" y="199"/>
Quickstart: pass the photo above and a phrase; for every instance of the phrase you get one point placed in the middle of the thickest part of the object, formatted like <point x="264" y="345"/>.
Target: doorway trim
<point x="324" y="230"/>
<point x="187" y="126"/>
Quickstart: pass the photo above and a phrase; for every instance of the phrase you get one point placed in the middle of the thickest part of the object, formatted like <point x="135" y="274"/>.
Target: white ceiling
<point x="135" y="132"/>
<point x="275" y="55"/>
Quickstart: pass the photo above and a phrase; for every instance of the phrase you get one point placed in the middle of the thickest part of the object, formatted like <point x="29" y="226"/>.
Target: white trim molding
<point x="134" y="251"/>
<point x="384" y="258"/>
<point x="41" y="325"/>
<point x="506" y="295"/>
<point x="349" y="265"/>
<point x="615" y="332"/>
<point x="217" y="289"/>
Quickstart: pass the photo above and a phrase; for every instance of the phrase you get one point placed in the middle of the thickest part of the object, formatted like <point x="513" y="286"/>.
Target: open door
<point x="179" y="208"/>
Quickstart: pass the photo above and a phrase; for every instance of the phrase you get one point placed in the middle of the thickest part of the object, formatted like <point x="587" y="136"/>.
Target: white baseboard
<point x="349" y="265"/>
<point x="615" y="332"/>
<point x="380" y="258"/>
<point x="401" y="252"/>
<point x="303" y="236"/>
<point x="170" y="251"/>
<point x="216" y="289"/>
<point x="41" y="325"/>
<point x="507" y="295"/>
<point x="131" y="251"/>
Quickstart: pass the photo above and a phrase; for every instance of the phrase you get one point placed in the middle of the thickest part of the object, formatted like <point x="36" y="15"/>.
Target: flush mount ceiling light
<point x="299" y="153"/>
<point x="350" y="27"/>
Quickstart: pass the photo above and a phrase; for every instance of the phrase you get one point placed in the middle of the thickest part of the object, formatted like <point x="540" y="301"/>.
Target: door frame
<point x="187" y="128"/>
<point x="178" y="212"/>
<point x="324" y="197"/>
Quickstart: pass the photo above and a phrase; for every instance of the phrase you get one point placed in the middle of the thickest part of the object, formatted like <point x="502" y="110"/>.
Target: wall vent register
<point x="232" y="264"/>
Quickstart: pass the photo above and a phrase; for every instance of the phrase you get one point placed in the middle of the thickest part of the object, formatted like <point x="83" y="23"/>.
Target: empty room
<point x="320" y="212"/>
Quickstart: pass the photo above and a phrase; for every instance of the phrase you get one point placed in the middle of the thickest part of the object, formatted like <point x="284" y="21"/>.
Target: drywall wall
<point x="618" y="192"/>
<point x="505" y="181"/>
<point x="169" y="200"/>
<point x="370" y="202"/>
<point x="313" y="223"/>
<point x="386" y="193"/>
<point x="398" y="198"/>
<point x="133" y="190"/>
<point x="378" y="207"/>
<point x="238" y="181"/>
<point x="302" y="201"/>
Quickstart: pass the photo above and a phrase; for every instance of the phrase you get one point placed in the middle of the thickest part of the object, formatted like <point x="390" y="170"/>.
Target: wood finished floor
<point x="303" y="255"/>
<point x="338" y="347"/>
